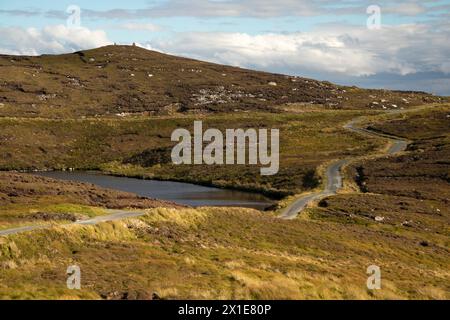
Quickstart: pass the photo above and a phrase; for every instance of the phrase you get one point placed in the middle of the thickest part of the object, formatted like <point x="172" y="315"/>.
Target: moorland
<point x="113" y="109"/>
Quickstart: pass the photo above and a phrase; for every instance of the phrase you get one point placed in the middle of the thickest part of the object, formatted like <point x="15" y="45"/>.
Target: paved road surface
<point x="334" y="183"/>
<point x="333" y="173"/>
<point x="115" y="215"/>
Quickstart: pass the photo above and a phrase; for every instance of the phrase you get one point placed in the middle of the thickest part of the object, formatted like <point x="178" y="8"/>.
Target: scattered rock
<point x="272" y="83"/>
<point x="407" y="223"/>
<point x="155" y="296"/>
<point x="45" y="97"/>
<point x="379" y="219"/>
<point x="424" y="243"/>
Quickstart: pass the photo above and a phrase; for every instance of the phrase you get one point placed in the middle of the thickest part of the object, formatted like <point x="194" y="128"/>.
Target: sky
<point x="402" y="45"/>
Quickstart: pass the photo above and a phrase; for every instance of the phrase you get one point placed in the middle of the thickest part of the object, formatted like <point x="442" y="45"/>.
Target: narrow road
<point x="334" y="183"/>
<point x="333" y="173"/>
<point x="115" y="215"/>
<point x="333" y="176"/>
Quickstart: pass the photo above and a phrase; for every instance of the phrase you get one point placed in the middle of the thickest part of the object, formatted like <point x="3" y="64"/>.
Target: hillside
<point x="393" y="211"/>
<point x="224" y="253"/>
<point x="124" y="80"/>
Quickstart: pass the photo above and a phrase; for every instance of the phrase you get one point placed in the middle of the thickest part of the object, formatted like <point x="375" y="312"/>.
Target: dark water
<point x="183" y="193"/>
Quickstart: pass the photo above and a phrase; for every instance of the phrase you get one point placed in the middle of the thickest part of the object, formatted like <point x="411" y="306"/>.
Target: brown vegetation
<point x="423" y="172"/>
<point x="18" y="188"/>
<point x="124" y="80"/>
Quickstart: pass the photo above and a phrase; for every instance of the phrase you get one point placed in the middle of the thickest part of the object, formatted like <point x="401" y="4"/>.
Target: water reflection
<point x="183" y="193"/>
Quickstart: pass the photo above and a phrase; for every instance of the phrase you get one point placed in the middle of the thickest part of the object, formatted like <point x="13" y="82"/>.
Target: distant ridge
<point x="121" y="80"/>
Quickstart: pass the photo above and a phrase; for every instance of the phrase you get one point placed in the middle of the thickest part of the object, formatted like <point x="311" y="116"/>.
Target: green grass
<point x="307" y="140"/>
<point x="99" y="82"/>
<point x="23" y="214"/>
<point x="223" y="254"/>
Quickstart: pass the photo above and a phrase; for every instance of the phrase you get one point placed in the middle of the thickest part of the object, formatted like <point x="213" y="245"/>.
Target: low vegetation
<point x="213" y="253"/>
<point x="27" y="199"/>
<point x="423" y="172"/>
<point x="122" y="81"/>
<point x="114" y="109"/>
<point x="132" y="147"/>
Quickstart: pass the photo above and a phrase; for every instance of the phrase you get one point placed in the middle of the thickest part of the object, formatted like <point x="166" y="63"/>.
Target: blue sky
<point x="323" y="39"/>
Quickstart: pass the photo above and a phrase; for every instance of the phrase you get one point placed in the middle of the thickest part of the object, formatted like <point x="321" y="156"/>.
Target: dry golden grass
<point x="224" y="253"/>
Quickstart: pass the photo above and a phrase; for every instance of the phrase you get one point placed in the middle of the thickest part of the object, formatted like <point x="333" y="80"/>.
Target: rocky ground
<point x="121" y="81"/>
<point x="396" y="217"/>
<point x="19" y="188"/>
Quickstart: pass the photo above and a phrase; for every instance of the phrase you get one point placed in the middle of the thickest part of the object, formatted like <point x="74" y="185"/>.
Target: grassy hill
<point x="114" y="109"/>
<point x="128" y="146"/>
<point x="123" y="80"/>
<point x="225" y="253"/>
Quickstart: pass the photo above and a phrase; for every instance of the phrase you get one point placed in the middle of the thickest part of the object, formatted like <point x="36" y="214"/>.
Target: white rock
<point x="406" y="223"/>
<point x="272" y="83"/>
<point x="379" y="219"/>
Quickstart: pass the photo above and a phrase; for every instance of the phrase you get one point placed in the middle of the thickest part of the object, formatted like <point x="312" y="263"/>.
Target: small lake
<point x="183" y="193"/>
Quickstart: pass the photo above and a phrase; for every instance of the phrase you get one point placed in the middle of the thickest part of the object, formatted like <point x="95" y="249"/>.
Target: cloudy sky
<point x="406" y="46"/>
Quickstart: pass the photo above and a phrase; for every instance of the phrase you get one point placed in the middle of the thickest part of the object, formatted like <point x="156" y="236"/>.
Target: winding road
<point x="333" y="177"/>
<point x="333" y="173"/>
<point x="113" y="216"/>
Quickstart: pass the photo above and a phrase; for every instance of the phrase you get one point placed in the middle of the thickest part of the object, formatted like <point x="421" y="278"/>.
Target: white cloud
<point x="405" y="9"/>
<point x="50" y="39"/>
<point x="349" y="50"/>
<point x="248" y="8"/>
<point x="141" y="27"/>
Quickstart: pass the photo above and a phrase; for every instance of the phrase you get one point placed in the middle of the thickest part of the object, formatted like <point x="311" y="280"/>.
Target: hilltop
<point x="393" y="211"/>
<point x="129" y="80"/>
